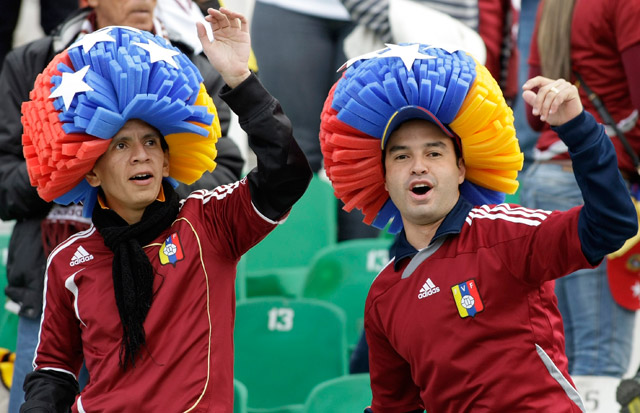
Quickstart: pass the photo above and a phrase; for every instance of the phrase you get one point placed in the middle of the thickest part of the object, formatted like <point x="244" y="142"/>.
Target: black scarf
<point x="132" y="272"/>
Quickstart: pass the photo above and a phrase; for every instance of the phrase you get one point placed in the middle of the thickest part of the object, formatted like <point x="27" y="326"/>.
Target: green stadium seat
<point x="346" y="394"/>
<point x="342" y="274"/>
<point x="8" y="320"/>
<point x="276" y="266"/>
<point x="241" y="279"/>
<point x="240" y="396"/>
<point x="284" y="347"/>
<point x="513" y="198"/>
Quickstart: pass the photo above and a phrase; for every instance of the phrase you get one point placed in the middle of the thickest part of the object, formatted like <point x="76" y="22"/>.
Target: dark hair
<point x="163" y="143"/>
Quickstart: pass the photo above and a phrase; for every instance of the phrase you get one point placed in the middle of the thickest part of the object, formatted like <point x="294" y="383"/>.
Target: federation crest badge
<point x="633" y="263"/>
<point x="467" y="298"/>
<point x="171" y="250"/>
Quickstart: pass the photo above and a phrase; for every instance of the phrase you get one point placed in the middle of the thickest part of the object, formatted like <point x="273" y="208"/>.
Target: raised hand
<point x="556" y="101"/>
<point x="229" y="50"/>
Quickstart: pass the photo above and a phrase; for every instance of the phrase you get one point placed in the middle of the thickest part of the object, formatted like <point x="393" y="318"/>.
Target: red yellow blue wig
<point x="87" y="93"/>
<point x="407" y="81"/>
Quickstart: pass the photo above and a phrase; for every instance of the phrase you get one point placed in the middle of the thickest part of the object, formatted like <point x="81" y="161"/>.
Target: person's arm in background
<point x="627" y="32"/>
<point x="496" y="19"/>
<point x="18" y="199"/>
<point x="535" y="69"/>
<point x="373" y="14"/>
<point x="631" y="63"/>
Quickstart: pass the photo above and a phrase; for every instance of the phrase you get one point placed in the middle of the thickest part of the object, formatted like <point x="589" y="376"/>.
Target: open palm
<point x="229" y="50"/>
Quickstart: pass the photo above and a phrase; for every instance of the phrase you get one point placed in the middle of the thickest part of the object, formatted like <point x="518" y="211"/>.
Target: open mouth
<point x="420" y="189"/>
<point x="140" y="177"/>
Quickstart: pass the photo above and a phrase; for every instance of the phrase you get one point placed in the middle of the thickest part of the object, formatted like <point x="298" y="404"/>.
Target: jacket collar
<point x="452" y="224"/>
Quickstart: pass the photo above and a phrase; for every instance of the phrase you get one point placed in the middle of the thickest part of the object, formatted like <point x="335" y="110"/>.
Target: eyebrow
<point x="436" y="144"/>
<point x="128" y="137"/>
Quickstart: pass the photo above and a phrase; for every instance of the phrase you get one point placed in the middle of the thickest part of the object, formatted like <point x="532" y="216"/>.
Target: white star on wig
<point x="157" y="53"/>
<point x="71" y="84"/>
<point x="89" y="40"/>
<point x="408" y="53"/>
<point x="108" y="29"/>
<point x="366" y="56"/>
<point x="636" y="289"/>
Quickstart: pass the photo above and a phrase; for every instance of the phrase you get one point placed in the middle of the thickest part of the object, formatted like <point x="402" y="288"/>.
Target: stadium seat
<point x="8" y="320"/>
<point x="342" y="274"/>
<point x="241" y="279"/>
<point x="513" y="198"/>
<point x="346" y="394"/>
<point x="240" y="396"/>
<point x="284" y="347"/>
<point x="276" y="266"/>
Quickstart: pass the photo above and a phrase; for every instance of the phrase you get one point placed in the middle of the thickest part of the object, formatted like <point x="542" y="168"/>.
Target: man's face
<point x="130" y="172"/>
<point x="134" y="13"/>
<point x="422" y="172"/>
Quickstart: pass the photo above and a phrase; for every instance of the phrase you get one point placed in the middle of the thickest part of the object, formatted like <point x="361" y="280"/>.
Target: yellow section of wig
<point x="190" y="154"/>
<point x="489" y="145"/>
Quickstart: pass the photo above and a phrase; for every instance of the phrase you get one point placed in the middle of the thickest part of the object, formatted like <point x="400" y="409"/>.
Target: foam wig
<point x="87" y="93"/>
<point x="382" y="89"/>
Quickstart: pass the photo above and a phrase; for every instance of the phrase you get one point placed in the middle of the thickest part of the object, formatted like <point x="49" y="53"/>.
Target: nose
<point x="139" y="153"/>
<point x="419" y="166"/>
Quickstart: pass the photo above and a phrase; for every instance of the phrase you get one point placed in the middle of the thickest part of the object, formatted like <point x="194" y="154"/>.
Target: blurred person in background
<point x="52" y="13"/>
<point x="298" y="47"/>
<point x="493" y="20"/>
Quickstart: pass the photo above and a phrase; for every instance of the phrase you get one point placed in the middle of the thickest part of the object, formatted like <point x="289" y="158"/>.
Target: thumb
<point x="529" y="97"/>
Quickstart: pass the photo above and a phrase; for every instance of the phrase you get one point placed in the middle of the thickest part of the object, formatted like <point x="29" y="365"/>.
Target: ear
<point x="92" y="178"/>
<point x="165" y="164"/>
<point x="92" y="3"/>
<point x="462" y="170"/>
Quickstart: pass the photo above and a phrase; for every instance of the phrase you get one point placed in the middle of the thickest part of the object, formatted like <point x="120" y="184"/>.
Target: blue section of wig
<point x="372" y="90"/>
<point x="126" y="85"/>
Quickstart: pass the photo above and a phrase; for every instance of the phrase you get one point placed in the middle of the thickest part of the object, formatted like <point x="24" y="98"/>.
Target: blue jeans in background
<point x="598" y="332"/>
<point x="26" y="343"/>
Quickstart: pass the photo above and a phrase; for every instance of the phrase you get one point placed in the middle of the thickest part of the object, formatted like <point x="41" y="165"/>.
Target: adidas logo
<point x="429" y="288"/>
<point x="81" y="255"/>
